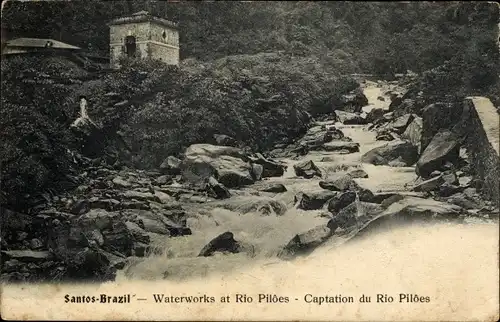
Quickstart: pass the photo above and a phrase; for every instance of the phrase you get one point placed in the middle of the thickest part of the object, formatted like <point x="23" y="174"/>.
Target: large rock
<point x="257" y="171"/>
<point x="313" y="200"/>
<point x="171" y="166"/>
<point x="444" y="147"/>
<point x="248" y="204"/>
<point x="340" y="201"/>
<point x="411" y="209"/>
<point x="358" y="173"/>
<point x="225" y="242"/>
<point x="413" y="132"/>
<point x="228" y="165"/>
<point x="26" y="255"/>
<point x="307" y="169"/>
<point x="306" y="242"/>
<point x="272" y="187"/>
<point x="400" y="124"/>
<point x="342" y="182"/>
<point x="118" y="238"/>
<point x="217" y="190"/>
<point x="350" y="118"/>
<point x="436" y="117"/>
<point x="374" y="115"/>
<point x="225" y="140"/>
<point x="407" y="106"/>
<point x="429" y="185"/>
<point x="354" y="215"/>
<point x="165" y="222"/>
<point x="270" y="168"/>
<point x="316" y="136"/>
<point x="340" y="146"/>
<point x="140" y="196"/>
<point x="383" y="155"/>
<point x="97" y="219"/>
<point x="385" y="135"/>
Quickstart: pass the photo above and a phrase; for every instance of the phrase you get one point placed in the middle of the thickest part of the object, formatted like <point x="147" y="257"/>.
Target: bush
<point x="257" y="99"/>
<point x="34" y="126"/>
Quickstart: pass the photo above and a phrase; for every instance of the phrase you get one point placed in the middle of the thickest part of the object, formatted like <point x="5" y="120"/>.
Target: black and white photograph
<point x="274" y="147"/>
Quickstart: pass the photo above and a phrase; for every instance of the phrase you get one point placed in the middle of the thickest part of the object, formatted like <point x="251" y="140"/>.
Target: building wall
<point x="149" y="39"/>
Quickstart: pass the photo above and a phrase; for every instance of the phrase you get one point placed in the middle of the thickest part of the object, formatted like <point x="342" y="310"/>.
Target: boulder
<point x="349" y="118"/>
<point x="358" y="173"/>
<point x="429" y="185"/>
<point x="140" y="196"/>
<point x="30" y="256"/>
<point x="228" y="165"/>
<point x="306" y="169"/>
<point x="93" y="237"/>
<point x="450" y="177"/>
<point x="413" y="132"/>
<point x="270" y="167"/>
<point x="374" y="115"/>
<point x="138" y="234"/>
<point x="396" y="100"/>
<point x="225" y="242"/>
<point x="313" y="200"/>
<point x="91" y="264"/>
<point x="121" y="183"/>
<point x="164" y="180"/>
<point x="448" y="189"/>
<point x="444" y="147"/>
<point x="400" y="124"/>
<point x="461" y="199"/>
<point x="385" y="135"/>
<point x="273" y="187"/>
<point x="152" y="226"/>
<point x="354" y="215"/>
<point x="171" y="166"/>
<point x="163" y="197"/>
<point x="316" y="136"/>
<point x="437" y="117"/>
<point x="257" y="171"/>
<point x="217" y="190"/>
<point x="118" y="238"/>
<point x="306" y="242"/>
<point x="393" y="150"/>
<point x="340" y="146"/>
<point x="96" y="219"/>
<point x="340" y="201"/>
<point x="225" y="140"/>
<point x="342" y="182"/>
<point x="411" y="209"/>
<point x="248" y="204"/>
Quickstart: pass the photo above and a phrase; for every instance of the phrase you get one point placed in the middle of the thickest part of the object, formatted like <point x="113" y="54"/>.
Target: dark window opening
<point x="130" y="46"/>
<point x="164" y="35"/>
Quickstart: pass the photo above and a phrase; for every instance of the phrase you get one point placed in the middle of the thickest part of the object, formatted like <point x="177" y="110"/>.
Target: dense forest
<point x="349" y="36"/>
<point x="257" y="78"/>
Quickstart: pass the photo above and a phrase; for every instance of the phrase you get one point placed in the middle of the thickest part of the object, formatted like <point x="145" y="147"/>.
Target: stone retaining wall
<point x="482" y="144"/>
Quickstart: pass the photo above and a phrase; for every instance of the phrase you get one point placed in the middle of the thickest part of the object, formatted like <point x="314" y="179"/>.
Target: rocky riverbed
<point x="374" y="164"/>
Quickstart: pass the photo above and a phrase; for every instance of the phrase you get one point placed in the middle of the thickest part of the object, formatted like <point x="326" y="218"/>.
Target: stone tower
<point x="142" y="35"/>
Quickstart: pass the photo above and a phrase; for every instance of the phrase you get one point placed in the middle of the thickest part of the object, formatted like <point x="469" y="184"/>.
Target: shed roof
<point x="39" y="43"/>
<point x="143" y="16"/>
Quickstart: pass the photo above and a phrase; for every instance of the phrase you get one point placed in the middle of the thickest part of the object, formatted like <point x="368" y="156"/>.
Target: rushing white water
<point x="177" y="257"/>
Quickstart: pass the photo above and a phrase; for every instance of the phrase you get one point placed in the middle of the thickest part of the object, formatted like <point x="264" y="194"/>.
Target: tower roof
<point x="142" y="16"/>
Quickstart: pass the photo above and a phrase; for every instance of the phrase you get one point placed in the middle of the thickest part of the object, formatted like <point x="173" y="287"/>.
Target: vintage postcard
<point x="250" y="161"/>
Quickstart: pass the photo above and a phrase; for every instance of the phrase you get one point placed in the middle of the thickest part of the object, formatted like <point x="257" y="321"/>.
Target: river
<point x="176" y="259"/>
